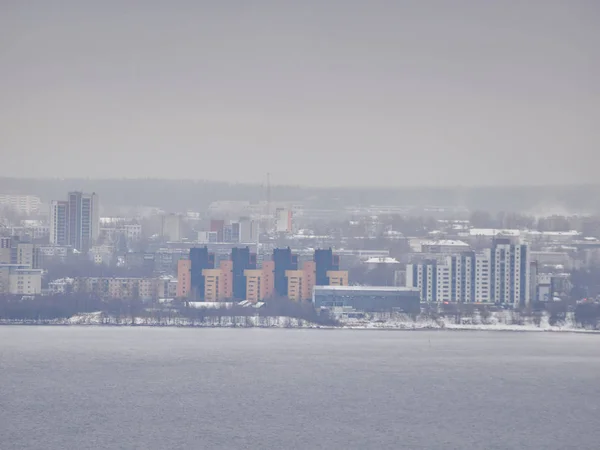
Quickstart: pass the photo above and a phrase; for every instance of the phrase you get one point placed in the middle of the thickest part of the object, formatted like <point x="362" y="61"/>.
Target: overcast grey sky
<point x="317" y="92"/>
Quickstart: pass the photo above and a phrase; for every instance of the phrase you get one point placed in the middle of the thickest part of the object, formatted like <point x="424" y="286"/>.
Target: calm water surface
<point x="149" y="388"/>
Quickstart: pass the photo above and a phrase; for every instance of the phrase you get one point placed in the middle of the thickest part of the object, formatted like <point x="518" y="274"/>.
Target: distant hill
<point x="180" y="195"/>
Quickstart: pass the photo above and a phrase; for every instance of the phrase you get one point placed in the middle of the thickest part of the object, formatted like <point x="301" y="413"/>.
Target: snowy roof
<point x="386" y="260"/>
<point x="554" y="233"/>
<point x="365" y="288"/>
<point x="493" y="232"/>
<point x="446" y="242"/>
<point x="210" y="305"/>
<point x="61" y="281"/>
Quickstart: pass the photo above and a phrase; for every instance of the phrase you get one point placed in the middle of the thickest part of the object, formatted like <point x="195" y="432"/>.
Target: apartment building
<point x="500" y="274"/>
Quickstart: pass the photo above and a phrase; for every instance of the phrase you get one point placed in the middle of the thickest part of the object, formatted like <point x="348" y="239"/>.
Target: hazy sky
<point x="317" y="92"/>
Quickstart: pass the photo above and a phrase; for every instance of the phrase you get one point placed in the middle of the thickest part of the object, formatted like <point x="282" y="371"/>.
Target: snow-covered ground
<point x="99" y="318"/>
<point x="498" y="321"/>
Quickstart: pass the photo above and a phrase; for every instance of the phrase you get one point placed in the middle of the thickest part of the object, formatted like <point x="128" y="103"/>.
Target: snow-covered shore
<point x="101" y="319"/>
<point x="499" y="321"/>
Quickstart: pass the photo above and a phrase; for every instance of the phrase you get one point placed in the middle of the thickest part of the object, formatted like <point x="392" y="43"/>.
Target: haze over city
<point x="211" y="211"/>
<point x="317" y="93"/>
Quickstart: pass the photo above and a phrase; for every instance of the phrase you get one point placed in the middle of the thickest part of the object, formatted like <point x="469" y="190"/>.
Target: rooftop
<point x="494" y="232"/>
<point x="385" y="260"/>
<point x="366" y="288"/>
<point x="554" y="233"/>
<point x="446" y="242"/>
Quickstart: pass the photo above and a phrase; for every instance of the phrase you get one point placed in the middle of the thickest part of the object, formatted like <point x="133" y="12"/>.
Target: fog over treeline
<point x="180" y="195"/>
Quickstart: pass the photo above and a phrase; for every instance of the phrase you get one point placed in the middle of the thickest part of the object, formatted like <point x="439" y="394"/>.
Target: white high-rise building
<point x="59" y="234"/>
<point x="83" y="220"/>
<point x="23" y="204"/>
<point x="248" y="230"/>
<point x="499" y="274"/>
<point x="171" y="227"/>
<point x="509" y="267"/>
<point x="283" y="220"/>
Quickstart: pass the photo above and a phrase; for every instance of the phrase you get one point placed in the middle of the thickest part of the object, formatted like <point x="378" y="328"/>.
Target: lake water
<point x="167" y="388"/>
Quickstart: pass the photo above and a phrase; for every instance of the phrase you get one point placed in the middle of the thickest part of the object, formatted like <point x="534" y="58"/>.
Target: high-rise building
<point x="5" y="250"/>
<point x="249" y="230"/>
<point x="59" y="225"/>
<point x="259" y="282"/>
<point x="500" y="274"/>
<point x="510" y="268"/>
<point x="212" y="288"/>
<point x="231" y="232"/>
<point x="284" y="260"/>
<point x="283" y="220"/>
<point x="325" y="262"/>
<point x="301" y="282"/>
<point x="242" y="260"/>
<point x="218" y="283"/>
<point x="217" y="227"/>
<point x="235" y="232"/>
<point x="454" y="278"/>
<point x="226" y="282"/>
<point x="171" y="227"/>
<point x="184" y="278"/>
<point x="83" y="220"/>
<point x="200" y="259"/>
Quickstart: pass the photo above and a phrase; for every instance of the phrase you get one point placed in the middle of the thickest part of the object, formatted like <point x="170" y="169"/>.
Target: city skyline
<point x="327" y="94"/>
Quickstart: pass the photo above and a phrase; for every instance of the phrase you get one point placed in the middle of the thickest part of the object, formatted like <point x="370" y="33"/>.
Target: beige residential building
<point x="118" y="288"/>
<point x="301" y="282"/>
<point x="20" y="280"/>
<point x="260" y="283"/>
<point x="23" y="204"/>
<point x="338" y="277"/>
<point x="184" y="278"/>
<point x="25" y="282"/>
<point x="212" y="282"/>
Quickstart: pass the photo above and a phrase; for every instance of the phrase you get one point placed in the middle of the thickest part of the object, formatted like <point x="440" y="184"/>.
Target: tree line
<point x="65" y="306"/>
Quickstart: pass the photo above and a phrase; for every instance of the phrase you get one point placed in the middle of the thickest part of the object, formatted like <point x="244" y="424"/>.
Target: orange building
<point x="301" y="282"/>
<point x="212" y="284"/>
<point x="226" y="281"/>
<point x="338" y="277"/>
<point x="218" y="283"/>
<point x="260" y="283"/>
<point x="184" y="278"/>
<point x="268" y="268"/>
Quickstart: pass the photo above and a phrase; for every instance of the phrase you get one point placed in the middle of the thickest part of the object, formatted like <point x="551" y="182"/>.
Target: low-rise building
<point x="60" y="286"/>
<point x="17" y="279"/>
<point x="118" y="287"/>
<point x="166" y="287"/>
<point x="23" y="204"/>
<point x="367" y="298"/>
<point x="133" y="232"/>
<point x="444" y="246"/>
<point x="338" y="277"/>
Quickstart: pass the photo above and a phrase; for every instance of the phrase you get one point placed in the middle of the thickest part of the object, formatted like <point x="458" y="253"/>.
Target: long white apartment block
<point x="499" y="274"/>
<point x="23" y="204"/>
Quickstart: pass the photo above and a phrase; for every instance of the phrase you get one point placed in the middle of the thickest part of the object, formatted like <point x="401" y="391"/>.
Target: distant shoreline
<point x="484" y="328"/>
